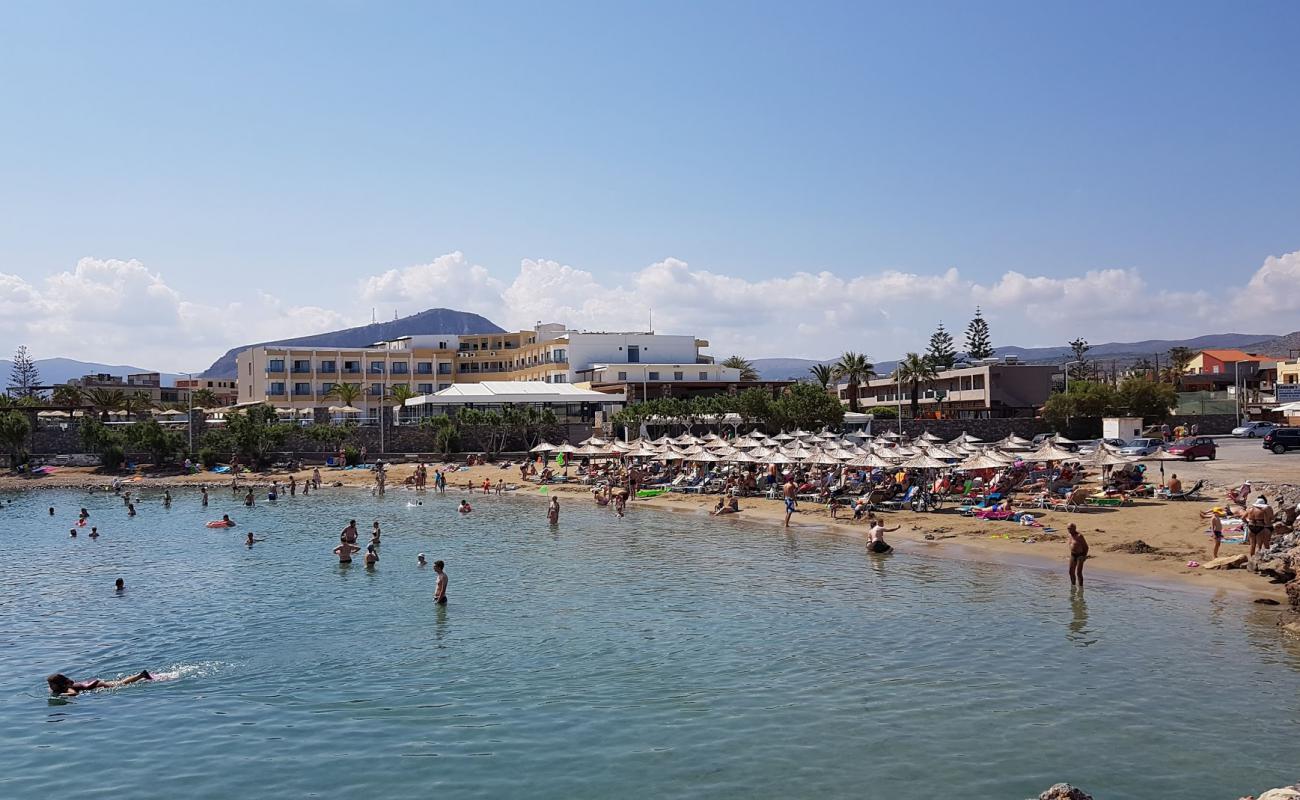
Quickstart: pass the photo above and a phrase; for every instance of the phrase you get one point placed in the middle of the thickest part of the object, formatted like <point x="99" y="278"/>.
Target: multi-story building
<point x="639" y="382"/>
<point x="148" y="384"/>
<point x="224" y="390"/>
<point x="976" y="391"/>
<point x="302" y="378"/>
<point x="1252" y="374"/>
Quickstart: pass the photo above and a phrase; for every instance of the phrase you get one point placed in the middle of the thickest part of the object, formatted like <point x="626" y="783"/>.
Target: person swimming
<point x="63" y="686"/>
<point x="119" y="586"/>
<point x="72" y="532"/>
<point x="372" y="557"/>
<point x="464" y="507"/>
<point x="420" y="562"/>
<point x="249" y="540"/>
<point x="94" y="533"/>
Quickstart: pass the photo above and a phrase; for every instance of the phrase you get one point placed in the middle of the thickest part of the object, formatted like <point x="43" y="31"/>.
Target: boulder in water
<point x="1064" y="791"/>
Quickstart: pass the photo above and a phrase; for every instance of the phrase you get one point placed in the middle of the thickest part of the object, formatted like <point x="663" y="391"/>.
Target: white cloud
<point x="121" y="311"/>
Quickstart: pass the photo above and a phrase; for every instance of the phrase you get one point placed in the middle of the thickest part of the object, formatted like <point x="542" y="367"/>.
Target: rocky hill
<point x="433" y="321"/>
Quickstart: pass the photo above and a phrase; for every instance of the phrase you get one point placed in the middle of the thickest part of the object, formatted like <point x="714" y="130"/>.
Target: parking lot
<point x="1238" y="460"/>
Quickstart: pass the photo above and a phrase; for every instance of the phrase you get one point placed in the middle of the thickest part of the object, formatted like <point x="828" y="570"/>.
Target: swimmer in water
<point x="464" y="507"/>
<point x="63" y="686"/>
<point x="167" y="498"/>
<point x="94" y="533"/>
<point x="250" y="540"/>
<point x="119" y="586"/>
<point x="130" y="509"/>
<point x="85" y="515"/>
<point x="72" y="532"/>
<point x="230" y="523"/>
<point x="345" y="550"/>
<point x="203" y="490"/>
<point x="372" y="557"/>
<point x="248" y="498"/>
<point x="420" y="562"/>
<point x="553" y="511"/>
<point x="51" y="511"/>
<point x="440" y="588"/>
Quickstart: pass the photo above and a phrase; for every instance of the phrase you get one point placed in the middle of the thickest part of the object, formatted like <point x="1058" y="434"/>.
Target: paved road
<point x="1238" y="460"/>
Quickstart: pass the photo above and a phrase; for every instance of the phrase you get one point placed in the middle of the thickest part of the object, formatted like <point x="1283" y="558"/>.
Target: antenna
<point x="652" y="320"/>
<point x="372" y="315"/>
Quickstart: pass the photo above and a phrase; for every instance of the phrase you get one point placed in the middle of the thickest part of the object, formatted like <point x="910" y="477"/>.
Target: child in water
<point x="464" y="507"/>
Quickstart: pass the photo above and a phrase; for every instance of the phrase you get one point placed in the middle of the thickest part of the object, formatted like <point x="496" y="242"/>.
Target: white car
<point x="1252" y="430"/>
<point x="1140" y="447"/>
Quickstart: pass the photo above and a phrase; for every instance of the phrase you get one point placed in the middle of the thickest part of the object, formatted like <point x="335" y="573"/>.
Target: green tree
<point x="443" y="429"/>
<point x="941" y="352"/>
<point x="68" y="396"/>
<point x="24" y="377"/>
<point x="14" y="429"/>
<point x="329" y="435"/>
<point x="1179" y="359"/>
<point x="855" y="369"/>
<point x="823" y="374"/>
<point x="136" y="404"/>
<point x="1084" y="399"/>
<point x="915" y="371"/>
<point x="107" y="443"/>
<point x="204" y="398"/>
<point x="105" y="400"/>
<point x="746" y="367"/>
<point x="979" y="344"/>
<point x="806" y="406"/>
<point x="346" y="393"/>
<point x="256" y="432"/>
<point x="151" y="437"/>
<point x="883" y="412"/>
<point x="1079" y="370"/>
<point x="1139" y="397"/>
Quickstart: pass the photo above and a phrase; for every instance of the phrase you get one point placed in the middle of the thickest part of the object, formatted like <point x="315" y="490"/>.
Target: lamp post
<point x="1236" y="385"/>
<point x="189" y="416"/>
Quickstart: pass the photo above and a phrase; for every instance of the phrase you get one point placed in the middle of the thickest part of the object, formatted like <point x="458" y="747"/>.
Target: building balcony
<point x="275" y="393"/>
<point x="301" y="370"/>
<point x="275" y="370"/>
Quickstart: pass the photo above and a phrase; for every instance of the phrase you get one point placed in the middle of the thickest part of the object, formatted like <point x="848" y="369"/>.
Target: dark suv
<point x="1282" y="440"/>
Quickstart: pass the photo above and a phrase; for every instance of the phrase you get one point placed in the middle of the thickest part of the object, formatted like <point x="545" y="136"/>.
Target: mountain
<point x="61" y="370"/>
<point x="433" y="321"/>
<point x="1121" y="353"/>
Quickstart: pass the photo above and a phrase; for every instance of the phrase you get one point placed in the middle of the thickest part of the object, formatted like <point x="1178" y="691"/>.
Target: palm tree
<point x="823" y="374"/>
<point x="204" y="398"/>
<point x="104" y="400"/>
<point x="746" y="367"/>
<point x="346" y="393"/>
<point x="915" y="370"/>
<point x="399" y="394"/>
<point x="136" y="403"/>
<point x="68" y="396"/>
<point x="14" y="429"/>
<point x="856" y="369"/>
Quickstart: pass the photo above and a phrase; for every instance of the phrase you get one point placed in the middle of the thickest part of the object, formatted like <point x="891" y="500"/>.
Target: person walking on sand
<point x="1078" y="554"/>
<point x="553" y="511"/>
<point x="440" y="588"/>
<point x="788" y="492"/>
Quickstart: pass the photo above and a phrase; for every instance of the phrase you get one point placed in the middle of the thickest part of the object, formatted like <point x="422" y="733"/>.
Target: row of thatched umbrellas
<point x="889" y="450"/>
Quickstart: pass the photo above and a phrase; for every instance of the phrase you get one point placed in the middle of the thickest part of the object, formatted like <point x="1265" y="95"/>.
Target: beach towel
<point x="223" y="469"/>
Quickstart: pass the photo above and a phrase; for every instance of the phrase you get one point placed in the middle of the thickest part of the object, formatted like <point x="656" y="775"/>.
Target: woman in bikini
<point x="63" y="686"/>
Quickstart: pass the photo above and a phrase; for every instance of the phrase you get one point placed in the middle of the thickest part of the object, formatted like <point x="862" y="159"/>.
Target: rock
<point x="1293" y="594"/>
<point x="1285" y="793"/>
<point x="1136" y="547"/>
<point x="1227" y="562"/>
<point x="1064" y="791"/>
<point x="1292" y="627"/>
<point x="1267" y="601"/>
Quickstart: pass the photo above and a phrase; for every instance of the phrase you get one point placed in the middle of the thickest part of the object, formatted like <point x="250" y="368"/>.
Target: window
<point x="444" y="368"/>
<point x="400" y="368"/>
<point x="677" y="376"/>
<point x="633" y="354"/>
<point x="351" y="366"/>
<point x="326" y="388"/>
<point x="424" y="368"/>
<point x="275" y="388"/>
<point x="653" y="376"/>
<point x="301" y="365"/>
<point x="442" y="345"/>
<point x="424" y="388"/>
<point x="275" y="365"/>
<point x="301" y="389"/>
<point x="704" y="376"/>
<point x="442" y="386"/>
<point x="622" y="376"/>
<point x="376" y="390"/>
<point x="560" y="379"/>
<point x="977" y="381"/>
<point x="328" y="366"/>
<point x="560" y="356"/>
<point x="376" y="368"/>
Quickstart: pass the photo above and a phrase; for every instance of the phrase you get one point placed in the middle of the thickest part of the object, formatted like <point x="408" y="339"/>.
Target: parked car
<point x="1140" y="447"/>
<point x="1281" y="440"/>
<point x="1194" y="447"/>
<point x="1088" y="448"/>
<point x="1253" y="430"/>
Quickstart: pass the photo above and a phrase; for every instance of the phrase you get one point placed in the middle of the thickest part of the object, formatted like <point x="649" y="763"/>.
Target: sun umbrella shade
<point x="544" y="447"/>
<point x="344" y="410"/>
<point x="981" y="461"/>
<point x="1050" y="452"/>
<point x="923" y="461"/>
<point x="1106" y="458"/>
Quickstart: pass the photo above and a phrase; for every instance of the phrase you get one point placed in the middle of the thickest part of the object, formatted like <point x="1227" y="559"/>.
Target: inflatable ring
<point x="220" y="524"/>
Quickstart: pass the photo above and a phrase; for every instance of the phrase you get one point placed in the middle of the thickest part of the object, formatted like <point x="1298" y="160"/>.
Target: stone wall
<point x="1207" y="424"/>
<point x="990" y="430"/>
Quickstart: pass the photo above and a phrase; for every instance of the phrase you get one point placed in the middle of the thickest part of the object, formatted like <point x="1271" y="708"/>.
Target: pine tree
<point x="978" y="343"/>
<point x="941" y="351"/>
<point x="24" y="378"/>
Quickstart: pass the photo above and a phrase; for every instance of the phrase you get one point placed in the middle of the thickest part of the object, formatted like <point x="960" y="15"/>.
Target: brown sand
<point x="1174" y="530"/>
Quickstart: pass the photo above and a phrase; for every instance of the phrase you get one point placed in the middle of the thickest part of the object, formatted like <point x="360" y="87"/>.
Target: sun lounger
<point x="1189" y="494"/>
<point x="900" y="502"/>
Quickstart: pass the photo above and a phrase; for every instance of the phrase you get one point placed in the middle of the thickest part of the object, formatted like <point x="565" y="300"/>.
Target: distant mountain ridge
<point x="62" y="370"/>
<point x="1123" y="353"/>
<point x="433" y="321"/>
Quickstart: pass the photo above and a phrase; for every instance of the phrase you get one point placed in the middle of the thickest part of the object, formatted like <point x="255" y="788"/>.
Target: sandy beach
<point x="1173" y="532"/>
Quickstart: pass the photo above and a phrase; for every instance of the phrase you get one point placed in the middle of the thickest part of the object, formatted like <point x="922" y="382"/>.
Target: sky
<point x="783" y="179"/>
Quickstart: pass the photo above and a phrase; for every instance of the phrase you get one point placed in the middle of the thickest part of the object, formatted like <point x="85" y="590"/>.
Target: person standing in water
<point x="167" y="498"/>
<point x="788" y="492"/>
<point x="119" y="586"/>
<point x="345" y="550"/>
<point x="372" y="557"/>
<point x="440" y="588"/>
<point x="553" y="511"/>
<point x="878" y="543"/>
<point x="203" y="492"/>
<point x="1078" y="554"/>
<point x="349" y="534"/>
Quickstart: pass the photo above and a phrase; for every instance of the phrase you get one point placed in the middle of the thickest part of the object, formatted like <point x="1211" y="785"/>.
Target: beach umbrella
<point x="741" y="457"/>
<point x="544" y="447"/>
<point x="891" y="435"/>
<point x="944" y="453"/>
<point x="930" y="437"/>
<point x="52" y="414"/>
<point x="923" y="461"/>
<point x="980" y="461"/>
<point x="1162" y="455"/>
<point x="1016" y="440"/>
<point x="778" y="458"/>
<point x="565" y="448"/>
<point x="711" y="437"/>
<point x="1059" y="439"/>
<point x="871" y="460"/>
<point x="967" y="438"/>
<point x="593" y="440"/>
<point x="797" y="451"/>
<point x="344" y="410"/>
<point x="1050" y="452"/>
<point x="704" y="456"/>
<point x="1103" y="457"/>
<point x="783" y="437"/>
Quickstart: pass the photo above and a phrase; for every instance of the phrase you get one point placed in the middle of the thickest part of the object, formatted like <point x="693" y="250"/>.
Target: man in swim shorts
<point x="1078" y="554"/>
<point x="788" y="492"/>
<point x="440" y="588"/>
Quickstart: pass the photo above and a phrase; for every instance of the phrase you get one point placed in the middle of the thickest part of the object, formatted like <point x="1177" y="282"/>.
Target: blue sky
<point x="277" y="160"/>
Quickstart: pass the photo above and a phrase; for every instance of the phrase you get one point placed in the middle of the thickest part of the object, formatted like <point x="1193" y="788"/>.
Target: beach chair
<point x="1190" y="494"/>
<point x="900" y="502"/>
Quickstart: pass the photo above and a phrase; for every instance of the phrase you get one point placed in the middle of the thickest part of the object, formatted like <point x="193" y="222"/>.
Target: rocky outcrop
<point x="1227" y="562"/>
<point x="1064" y="791"/>
<point x="1293" y="594"/>
<point x="1285" y="793"/>
<point x="1281" y="559"/>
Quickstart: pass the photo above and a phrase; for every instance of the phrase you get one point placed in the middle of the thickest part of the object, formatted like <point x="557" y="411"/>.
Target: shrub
<point x="883" y="412"/>
<point x="111" y="456"/>
<point x="351" y="456"/>
<point x="208" y="457"/>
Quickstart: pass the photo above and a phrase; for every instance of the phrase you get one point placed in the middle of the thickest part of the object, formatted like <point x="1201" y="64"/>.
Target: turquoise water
<point x="658" y="655"/>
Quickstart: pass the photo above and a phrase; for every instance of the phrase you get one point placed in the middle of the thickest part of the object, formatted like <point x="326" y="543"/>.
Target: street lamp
<point x="898" y="399"/>
<point x="189" y="405"/>
<point x="1236" y="385"/>
<point x="1067" y="366"/>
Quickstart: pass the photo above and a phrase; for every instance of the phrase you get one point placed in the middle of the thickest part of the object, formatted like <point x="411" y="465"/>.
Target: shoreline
<point x="1172" y="529"/>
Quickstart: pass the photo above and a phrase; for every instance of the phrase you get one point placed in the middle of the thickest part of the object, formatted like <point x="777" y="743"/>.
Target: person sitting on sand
<point x="1175" y="485"/>
<point x="63" y="686"/>
<point x="732" y="506"/>
<point x="464" y="507"/>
